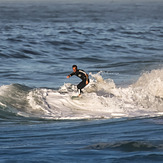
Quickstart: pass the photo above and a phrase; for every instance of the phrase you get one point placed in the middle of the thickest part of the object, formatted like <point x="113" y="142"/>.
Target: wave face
<point x="101" y="99"/>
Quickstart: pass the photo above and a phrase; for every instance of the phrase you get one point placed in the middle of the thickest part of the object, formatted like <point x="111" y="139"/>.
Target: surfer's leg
<point x="80" y="91"/>
<point x="81" y="85"/>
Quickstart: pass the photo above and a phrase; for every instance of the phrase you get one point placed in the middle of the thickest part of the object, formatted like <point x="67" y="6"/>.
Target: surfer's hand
<point x="68" y="76"/>
<point x="86" y="82"/>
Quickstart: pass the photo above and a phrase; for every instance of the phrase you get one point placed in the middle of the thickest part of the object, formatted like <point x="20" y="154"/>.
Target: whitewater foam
<point x="101" y="99"/>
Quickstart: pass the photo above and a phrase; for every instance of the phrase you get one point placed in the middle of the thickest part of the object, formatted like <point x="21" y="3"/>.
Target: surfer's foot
<point x="79" y="95"/>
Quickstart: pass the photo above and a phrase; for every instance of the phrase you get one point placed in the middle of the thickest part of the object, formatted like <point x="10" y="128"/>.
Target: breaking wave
<point x="101" y="99"/>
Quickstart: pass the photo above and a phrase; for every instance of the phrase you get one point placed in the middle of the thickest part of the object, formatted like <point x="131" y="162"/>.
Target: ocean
<point x="118" y="118"/>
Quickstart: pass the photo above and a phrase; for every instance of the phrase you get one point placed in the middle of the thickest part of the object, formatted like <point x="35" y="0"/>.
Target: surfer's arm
<point x="71" y="75"/>
<point x="86" y="79"/>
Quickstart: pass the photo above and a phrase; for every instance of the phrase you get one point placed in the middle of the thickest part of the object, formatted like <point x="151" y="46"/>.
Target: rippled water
<point x="119" y="117"/>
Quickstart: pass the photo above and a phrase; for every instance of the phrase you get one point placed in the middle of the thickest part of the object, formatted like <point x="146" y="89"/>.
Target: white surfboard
<point x="75" y="97"/>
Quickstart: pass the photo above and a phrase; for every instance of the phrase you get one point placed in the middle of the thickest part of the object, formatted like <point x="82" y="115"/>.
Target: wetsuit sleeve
<point x="73" y="73"/>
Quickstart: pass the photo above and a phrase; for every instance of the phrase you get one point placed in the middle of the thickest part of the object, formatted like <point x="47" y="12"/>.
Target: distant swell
<point x="128" y="146"/>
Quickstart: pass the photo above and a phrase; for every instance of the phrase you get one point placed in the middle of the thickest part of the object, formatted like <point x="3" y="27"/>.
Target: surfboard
<point x="75" y="97"/>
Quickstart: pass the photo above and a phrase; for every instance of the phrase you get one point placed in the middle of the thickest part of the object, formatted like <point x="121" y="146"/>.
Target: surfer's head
<point x="74" y="67"/>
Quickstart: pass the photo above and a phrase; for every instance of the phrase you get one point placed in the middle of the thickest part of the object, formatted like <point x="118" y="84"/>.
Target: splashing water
<point x="101" y="99"/>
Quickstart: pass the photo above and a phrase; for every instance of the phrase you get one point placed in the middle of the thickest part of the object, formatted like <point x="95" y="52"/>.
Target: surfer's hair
<point x="74" y="66"/>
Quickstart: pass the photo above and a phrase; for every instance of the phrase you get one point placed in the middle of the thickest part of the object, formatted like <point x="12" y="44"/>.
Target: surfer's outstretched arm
<point x="68" y="76"/>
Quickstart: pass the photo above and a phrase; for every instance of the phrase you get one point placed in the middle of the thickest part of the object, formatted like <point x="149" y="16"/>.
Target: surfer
<point x="82" y="75"/>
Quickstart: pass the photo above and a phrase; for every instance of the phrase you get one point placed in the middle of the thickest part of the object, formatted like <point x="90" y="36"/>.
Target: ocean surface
<point x="119" y="118"/>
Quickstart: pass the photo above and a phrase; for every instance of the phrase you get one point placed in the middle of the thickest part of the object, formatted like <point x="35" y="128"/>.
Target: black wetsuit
<point x="83" y="76"/>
